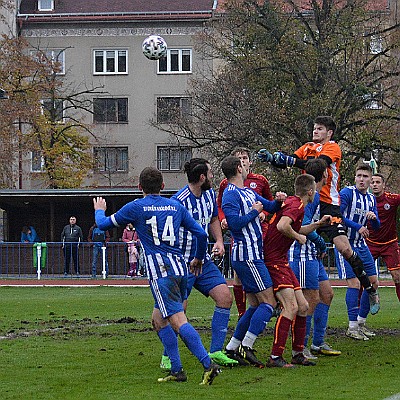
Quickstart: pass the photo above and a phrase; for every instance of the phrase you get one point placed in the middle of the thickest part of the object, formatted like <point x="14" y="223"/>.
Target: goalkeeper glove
<point x="282" y="160"/>
<point x="265" y="156"/>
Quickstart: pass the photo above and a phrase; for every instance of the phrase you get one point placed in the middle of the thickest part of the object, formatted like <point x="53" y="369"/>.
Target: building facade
<point x="99" y="44"/>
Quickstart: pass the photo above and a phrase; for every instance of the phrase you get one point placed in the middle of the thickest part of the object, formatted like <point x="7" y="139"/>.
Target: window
<point x="171" y="109"/>
<point x="53" y="109"/>
<point x="376" y="44"/>
<point x="111" y="159"/>
<point x="110" y="110"/>
<point x="374" y="99"/>
<point x="172" y="158"/>
<point x="176" y="61"/>
<point x="110" y="62"/>
<point x="56" y="57"/>
<point x="45" y="5"/>
<point x="37" y="161"/>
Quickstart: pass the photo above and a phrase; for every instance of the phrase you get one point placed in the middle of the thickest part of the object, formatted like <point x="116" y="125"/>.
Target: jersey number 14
<point x="168" y="234"/>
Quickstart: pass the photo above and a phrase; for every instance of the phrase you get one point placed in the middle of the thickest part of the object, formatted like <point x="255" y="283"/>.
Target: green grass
<point x="97" y="343"/>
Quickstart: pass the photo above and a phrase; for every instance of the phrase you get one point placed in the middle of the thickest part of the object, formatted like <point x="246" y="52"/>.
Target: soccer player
<point x="306" y="262"/>
<point x="158" y="221"/>
<point x="260" y="185"/>
<point x="384" y="241"/>
<point x="285" y="227"/>
<point x="358" y="207"/>
<point x="242" y="207"/>
<point x="199" y="199"/>
<point x="322" y="146"/>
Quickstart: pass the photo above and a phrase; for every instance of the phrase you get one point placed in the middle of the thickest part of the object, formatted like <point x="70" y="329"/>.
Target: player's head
<point x="199" y="170"/>
<point x="378" y="184"/>
<point x="317" y="167"/>
<point x="151" y="181"/>
<point x="305" y="187"/>
<point x="230" y="166"/>
<point x="244" y="154"/>
<point x="363" y="177"/>
<point x="324" y="128"/>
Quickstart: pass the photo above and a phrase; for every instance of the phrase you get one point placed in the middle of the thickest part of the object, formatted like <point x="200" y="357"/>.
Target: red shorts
<point x="389" y="252"/>
<point x="283" y="277"/>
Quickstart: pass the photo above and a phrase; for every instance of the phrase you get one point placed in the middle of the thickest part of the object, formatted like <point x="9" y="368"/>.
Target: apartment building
<point x="98" y="44"/>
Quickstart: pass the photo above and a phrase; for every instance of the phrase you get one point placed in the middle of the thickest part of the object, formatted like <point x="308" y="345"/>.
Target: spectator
<point x="131" y="239"/>
<point x="71" y="236"/>
<point x="29" y="235"/>
<point x="99" y="238"/>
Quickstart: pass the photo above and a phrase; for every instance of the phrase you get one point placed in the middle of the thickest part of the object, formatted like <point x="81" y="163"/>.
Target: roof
<point x="128" y="9"/>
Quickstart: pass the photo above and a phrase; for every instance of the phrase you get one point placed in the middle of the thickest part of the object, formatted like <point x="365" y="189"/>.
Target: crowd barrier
<point x="46" y="261"/>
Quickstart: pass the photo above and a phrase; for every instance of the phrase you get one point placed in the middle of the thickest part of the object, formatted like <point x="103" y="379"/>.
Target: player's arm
<point x="284" y="226"/>
<point x="230" y="206"/>
<point x="198" y="232"/>
<point x="268" y="205"/>
<point x="221" y="215"/>
<point x="216" y="232"/>
<point x="373" y="217"/>
<point x="345" y="202"/>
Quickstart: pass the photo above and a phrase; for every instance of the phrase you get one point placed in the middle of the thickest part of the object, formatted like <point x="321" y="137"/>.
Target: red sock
<point x="398" y="290"/>
<point x="298" y="333"/>
<point x="281" y="333"/>
<point x="240" y="299"/>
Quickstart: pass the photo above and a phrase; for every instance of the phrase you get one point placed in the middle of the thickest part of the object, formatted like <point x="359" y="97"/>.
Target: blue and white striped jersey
<point x="203" y="209"/>
<point x="157" y="221"/>
<point x="354" y="206"/>
<point x="243" y="221"/>
<point x="307" y="251"/>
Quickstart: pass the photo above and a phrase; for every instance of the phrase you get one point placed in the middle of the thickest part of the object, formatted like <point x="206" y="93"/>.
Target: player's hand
<point x="302" y="239"/>
<point x="218" y="250"/>
<point x="196" y="266"/>
<point x="283" y="160"/>
<point x="364" y="232"/>
<point x="99" y="203"/>
<point x="264" y="155"/>
<point x="370" y="215"/>
<point x="224" y="224"/>
<point x="262" y="216"/>
<point x="325" y="220"/>
<point x="258" y="206"/>
<point x="280" y="196"/>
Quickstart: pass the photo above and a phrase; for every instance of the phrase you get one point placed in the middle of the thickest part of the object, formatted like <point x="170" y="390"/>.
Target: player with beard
<point x="384" y="241"/>
<point x="200" y="200"/>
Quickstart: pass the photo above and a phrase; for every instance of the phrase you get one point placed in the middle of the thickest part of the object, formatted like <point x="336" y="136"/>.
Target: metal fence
<point x="20" y="260"/>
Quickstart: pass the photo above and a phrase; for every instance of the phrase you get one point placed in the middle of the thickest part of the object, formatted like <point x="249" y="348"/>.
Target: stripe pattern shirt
<point x="203" y="209"/>
<point x="244" y="222"/>
<point x="157" y="221"/>
<point x="354" y="208"/>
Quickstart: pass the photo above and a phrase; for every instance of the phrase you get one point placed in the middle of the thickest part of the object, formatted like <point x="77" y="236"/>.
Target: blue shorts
<point x="253" y="274"/>
<point x="209" y="278"/>
<point x="307" y="273"/>
<point x="169" y="294"/>
<point x="344" y="269"/>
<point x="322" y="275"/>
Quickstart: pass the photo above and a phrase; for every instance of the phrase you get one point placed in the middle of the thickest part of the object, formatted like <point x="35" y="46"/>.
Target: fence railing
<point x="46" y="261"/>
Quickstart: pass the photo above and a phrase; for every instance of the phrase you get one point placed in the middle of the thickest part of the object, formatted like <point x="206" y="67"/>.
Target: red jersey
<point x="277" y="245"/>
<point x="257" y="182"/>
<point x="329" y="192"/>
<point x="387" y="204"/>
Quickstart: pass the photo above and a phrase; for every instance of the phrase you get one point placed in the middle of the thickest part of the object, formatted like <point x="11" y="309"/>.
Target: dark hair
<point x="303" y="184"/>
<point x="229" y="166"/>
<point x="240" y="150"/>
<point x="25" y="229"/>
<point x="364" y="167"/>
<point x="151" y="180"/>
<point x="326" y="121"/>
<point x="194" y="168"/>
<point x="380" y="176"/>
<point x="316" y="167"/>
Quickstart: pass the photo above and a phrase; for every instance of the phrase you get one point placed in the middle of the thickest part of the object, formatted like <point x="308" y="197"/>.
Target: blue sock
<point x="308" y="329"/>
<point x="170" y="341"/>
<point x="192" y="340"/>
<point x="219" y="328"/>
<point x="260" y="318"/>
<point x="352" y="303"/>
<point x="364" y="305"/>
<point x="320" y="323"/>
<point x="243" y="325"/>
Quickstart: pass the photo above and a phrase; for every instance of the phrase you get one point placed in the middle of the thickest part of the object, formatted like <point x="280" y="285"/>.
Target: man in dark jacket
<point x="71" y="236"/>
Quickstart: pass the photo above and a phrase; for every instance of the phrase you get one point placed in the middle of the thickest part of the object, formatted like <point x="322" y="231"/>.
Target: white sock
<point x="233" y="344"/>
<point x="361" y="320"/>
<point x="353" y="325"/>
<point x="249" y="339"/>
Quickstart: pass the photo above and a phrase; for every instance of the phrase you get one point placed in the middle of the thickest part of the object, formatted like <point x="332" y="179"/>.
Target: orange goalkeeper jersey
<point x="330" y="192"/>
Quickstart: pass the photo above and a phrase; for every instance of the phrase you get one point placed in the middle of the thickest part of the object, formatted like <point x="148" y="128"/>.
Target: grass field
<point x="97" y="343"/>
